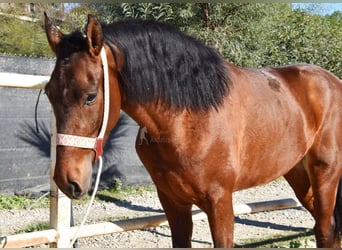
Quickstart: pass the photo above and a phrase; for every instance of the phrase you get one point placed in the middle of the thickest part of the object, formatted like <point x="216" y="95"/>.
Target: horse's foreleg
<point x="221" y="220"/>
<point x="179" y="217"/>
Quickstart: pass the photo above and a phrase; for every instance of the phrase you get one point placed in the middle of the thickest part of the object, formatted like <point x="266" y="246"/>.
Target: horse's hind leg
<point x="325" y="173"/>
<point x="299" y="180"/>
<point x="317" y="193"/>
<point x="179" y="217"/>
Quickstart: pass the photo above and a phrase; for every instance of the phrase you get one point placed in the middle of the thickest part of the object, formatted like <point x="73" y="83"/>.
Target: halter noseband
<point x="95" y="144"/>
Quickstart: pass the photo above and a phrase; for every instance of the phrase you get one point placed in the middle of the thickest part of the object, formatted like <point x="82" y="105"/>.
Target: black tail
<point x="338" y="208"/>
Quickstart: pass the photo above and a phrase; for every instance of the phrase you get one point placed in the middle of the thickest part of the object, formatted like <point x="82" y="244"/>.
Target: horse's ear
<point x="54" y="35"/>
<point x="94" y="35"/>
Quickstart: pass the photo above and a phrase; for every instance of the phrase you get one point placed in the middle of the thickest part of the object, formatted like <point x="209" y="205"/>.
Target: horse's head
<point x="76" y="93"/>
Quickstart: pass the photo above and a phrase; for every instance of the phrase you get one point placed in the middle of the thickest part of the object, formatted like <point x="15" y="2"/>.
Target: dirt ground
<point x="259" y="228"/>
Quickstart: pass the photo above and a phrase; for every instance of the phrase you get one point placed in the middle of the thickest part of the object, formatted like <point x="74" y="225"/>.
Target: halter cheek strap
<point x="95" y="144"/>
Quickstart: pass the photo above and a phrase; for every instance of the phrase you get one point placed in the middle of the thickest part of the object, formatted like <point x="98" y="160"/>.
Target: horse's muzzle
<point x="75" y="191"/>
<point x="72" y="189"/>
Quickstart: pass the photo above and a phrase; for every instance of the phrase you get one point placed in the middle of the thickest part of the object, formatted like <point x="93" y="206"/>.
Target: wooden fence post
<point x="60" y="204"/>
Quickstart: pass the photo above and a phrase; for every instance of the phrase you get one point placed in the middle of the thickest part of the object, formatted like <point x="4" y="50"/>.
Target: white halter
<point x="89" y="142"/>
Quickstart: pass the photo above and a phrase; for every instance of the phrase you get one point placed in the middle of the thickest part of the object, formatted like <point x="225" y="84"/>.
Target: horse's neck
<point x="154" y="119"/>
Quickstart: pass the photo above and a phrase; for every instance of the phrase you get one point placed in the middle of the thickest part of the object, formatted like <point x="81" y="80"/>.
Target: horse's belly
<point x="271" y="146"/>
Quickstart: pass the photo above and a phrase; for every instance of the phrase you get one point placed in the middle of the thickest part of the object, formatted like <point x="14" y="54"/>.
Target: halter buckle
<point x="98" y="148"/>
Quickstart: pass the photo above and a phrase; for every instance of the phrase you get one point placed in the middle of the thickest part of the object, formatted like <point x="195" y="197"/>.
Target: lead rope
<point x="101" y="135"/>
<point x="36" y="111"/>
<point x="89" y="204"/>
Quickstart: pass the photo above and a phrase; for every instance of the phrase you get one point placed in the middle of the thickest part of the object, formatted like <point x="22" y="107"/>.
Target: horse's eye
<point x="90" y="99"/>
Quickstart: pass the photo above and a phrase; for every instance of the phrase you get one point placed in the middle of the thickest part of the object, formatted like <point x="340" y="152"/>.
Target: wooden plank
<point x="15" y="80"/>
<point x="131" y="224"/>
<point x="28" y="239"/>
<point x="256" y="207"/>
<point x="60" y="204"/>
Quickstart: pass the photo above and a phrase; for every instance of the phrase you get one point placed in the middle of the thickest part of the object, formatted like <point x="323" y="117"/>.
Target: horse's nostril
<point x="75" y="189"/>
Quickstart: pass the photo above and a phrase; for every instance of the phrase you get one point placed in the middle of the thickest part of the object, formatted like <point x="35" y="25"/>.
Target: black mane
<point x="161" y="63"/>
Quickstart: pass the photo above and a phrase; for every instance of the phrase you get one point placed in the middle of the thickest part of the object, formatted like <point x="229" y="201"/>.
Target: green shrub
<point x="23" y="38"/>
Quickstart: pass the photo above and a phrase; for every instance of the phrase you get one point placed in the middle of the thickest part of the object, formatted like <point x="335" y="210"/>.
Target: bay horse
<point x="212" y="128"/>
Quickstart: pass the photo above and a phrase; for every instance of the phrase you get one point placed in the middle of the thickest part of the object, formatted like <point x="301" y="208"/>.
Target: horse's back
<point x="286" y="109"/>
<point x="308" y="80"/>
<point x="317" y="91"/>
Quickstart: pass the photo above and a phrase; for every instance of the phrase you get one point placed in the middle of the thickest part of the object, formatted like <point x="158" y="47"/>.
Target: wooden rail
<point x="14" y="80"/>
<point x="52" y="236"/>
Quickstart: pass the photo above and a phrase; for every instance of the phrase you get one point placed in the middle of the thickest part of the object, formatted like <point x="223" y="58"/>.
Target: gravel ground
<point x="248" y="227"/>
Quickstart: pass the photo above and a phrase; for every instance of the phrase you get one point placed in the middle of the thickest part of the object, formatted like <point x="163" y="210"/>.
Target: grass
<point x="117" y="192"/>
<point x="303" y="239"/>
<point x="120" y="191"/>
<point x="34" y="227"/>
<point x="21" y="202"/>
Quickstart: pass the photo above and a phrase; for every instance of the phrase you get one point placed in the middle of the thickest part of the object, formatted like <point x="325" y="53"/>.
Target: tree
<point x="247" y="34"/>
